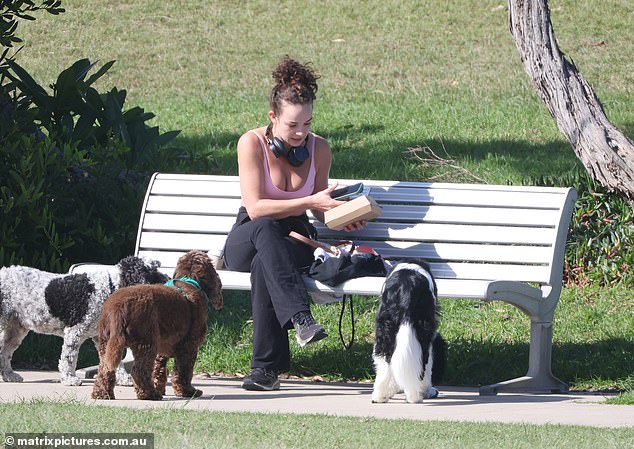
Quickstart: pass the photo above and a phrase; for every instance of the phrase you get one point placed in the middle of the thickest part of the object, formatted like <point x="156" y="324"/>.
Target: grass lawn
<point x="188" y="429"/>
<point x="396" y="75"/>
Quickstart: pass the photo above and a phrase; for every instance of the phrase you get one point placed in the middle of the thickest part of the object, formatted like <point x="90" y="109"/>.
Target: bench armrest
<point x="528" y="299"/>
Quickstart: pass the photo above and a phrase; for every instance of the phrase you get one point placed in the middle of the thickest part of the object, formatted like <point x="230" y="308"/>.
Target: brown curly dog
<point x="158" y="322"/>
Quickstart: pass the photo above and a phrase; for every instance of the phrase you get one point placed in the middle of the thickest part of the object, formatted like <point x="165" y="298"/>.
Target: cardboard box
<point x="360" y="208"/>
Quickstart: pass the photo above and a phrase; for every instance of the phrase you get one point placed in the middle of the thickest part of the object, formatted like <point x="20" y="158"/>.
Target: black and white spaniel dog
<point x="409" y="354"/>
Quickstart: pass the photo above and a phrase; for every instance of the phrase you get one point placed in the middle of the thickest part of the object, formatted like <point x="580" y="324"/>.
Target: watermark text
<point x="78" y="440"/>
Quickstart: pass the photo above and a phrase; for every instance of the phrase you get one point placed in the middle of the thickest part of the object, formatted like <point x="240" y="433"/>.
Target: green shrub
<point x="601" y="240"/>
<point x="57" y="208"/>
<point x="73" y="162"/>
<point x="75" y="113"/>
<point x="30" y="174"/>
<point x="601" y="235"/>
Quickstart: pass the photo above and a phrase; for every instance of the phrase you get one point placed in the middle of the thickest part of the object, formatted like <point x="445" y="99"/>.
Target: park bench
<point x="486" y="242"/>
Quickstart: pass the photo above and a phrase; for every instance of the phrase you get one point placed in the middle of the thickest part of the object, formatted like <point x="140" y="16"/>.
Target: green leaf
<point x="67" y="90"/>
<point x="84" y="126"/>
<point x="81" y="67"/>
<point x="104" y="68"/>
<point x="167" y="137"/>
<point x="30" y="86"/>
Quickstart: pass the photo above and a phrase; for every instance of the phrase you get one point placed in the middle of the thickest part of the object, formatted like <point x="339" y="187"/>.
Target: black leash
<point x="343" y="308"/>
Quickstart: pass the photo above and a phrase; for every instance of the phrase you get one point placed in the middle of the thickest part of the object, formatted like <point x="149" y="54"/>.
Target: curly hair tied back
<point x="295" y="83"/>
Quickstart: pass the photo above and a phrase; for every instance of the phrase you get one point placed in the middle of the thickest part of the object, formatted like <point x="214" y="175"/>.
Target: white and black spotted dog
<point x="409" y="354"/>
<point x="66" y="305"/>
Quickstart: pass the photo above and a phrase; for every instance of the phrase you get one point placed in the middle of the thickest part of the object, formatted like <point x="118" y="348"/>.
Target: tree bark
<point x="606" y="153"/>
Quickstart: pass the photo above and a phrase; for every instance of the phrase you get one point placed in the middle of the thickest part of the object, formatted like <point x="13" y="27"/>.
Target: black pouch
<point x="335" y="270"/>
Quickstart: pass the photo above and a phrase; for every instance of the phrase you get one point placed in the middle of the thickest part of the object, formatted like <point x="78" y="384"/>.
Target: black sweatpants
<point x="263" y="247"/>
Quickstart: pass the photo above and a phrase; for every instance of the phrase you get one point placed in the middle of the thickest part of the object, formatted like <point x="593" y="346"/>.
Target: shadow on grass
<point x="470" y="363"/>
<point x="483" y="363"/>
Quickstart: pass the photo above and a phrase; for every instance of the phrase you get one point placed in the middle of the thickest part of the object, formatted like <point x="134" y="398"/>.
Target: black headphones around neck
<point x="295" y="155"/>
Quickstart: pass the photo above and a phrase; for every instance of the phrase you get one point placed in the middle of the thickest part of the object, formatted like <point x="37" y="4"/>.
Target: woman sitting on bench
<point x="283" y="170"/>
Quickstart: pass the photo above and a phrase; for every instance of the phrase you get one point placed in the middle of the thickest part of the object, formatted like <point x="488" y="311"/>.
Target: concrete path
<point x="347" y="399"/>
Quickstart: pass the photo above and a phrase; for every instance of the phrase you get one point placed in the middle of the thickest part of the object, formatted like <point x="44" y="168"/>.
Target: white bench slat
<point x="463" y="252"/>
<point x="188" y="223"/>
<point x="450" y="197"/>
<point x="491" y="272"/>
<point x="193" y="205"/>
<point x="446" y="233"/>
<point x="172" y="241"/>
<point x="522" y="255"/>
<point x="476" y="215"/>
<point x="197" y="187"/>
<point x="448" y="288"/>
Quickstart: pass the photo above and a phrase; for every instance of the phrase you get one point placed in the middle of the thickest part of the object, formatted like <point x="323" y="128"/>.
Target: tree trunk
<point x="606" y="153"/>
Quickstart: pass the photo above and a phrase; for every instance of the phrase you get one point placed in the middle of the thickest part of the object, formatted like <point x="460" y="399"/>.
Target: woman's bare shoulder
<point x="250" y="140"/>
<point x="322" y="148"/>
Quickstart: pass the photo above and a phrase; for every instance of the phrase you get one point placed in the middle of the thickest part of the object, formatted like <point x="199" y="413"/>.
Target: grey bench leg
<point x="539" y="378"/>
<point x="91" y="371"/>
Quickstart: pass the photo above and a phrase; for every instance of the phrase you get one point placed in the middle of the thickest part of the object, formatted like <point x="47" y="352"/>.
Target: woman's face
<point x="292" y="124"/>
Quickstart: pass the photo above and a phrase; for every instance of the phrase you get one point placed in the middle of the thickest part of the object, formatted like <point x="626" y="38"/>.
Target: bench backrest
<point x="465" y="231"/>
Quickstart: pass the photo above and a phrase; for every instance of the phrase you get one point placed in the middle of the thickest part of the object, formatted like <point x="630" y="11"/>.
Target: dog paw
<point x="414" y="399"/>
<point x="12" y="377"/>
<point x="431" y="393"/>
<point x="102" y="395"/>
<point x="193" y="393"/>
<point x="71" y="381"/>
<point x="197" y="394"/>
<point x="149" y="396"/>
<point x="379" y="399"/>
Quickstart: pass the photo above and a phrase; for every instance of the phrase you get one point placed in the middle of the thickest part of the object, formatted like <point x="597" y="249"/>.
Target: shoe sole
<point x="315" y="338"/>
<point x="259" y="387"/>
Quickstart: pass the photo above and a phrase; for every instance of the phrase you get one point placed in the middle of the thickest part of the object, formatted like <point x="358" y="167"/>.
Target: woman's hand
<point x="356" y="226"/>
<point x="322" y="201"/>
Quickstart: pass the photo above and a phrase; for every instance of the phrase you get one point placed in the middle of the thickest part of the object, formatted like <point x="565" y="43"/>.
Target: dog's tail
<point x="111" y="339"/>
<point x="407" y="359"/>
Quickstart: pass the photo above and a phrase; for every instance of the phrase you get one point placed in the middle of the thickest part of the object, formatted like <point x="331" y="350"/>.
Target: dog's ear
<point x="157" y="277"/>
<point x="154" y="275"/>
<point x="215" y="293"/>
<point x="132" y="271"/>
<point x="197" y="265"/>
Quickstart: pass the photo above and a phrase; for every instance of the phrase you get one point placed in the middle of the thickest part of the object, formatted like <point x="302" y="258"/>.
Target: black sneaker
<point x="307" y="329"/>
<point x="261" y="379"/>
